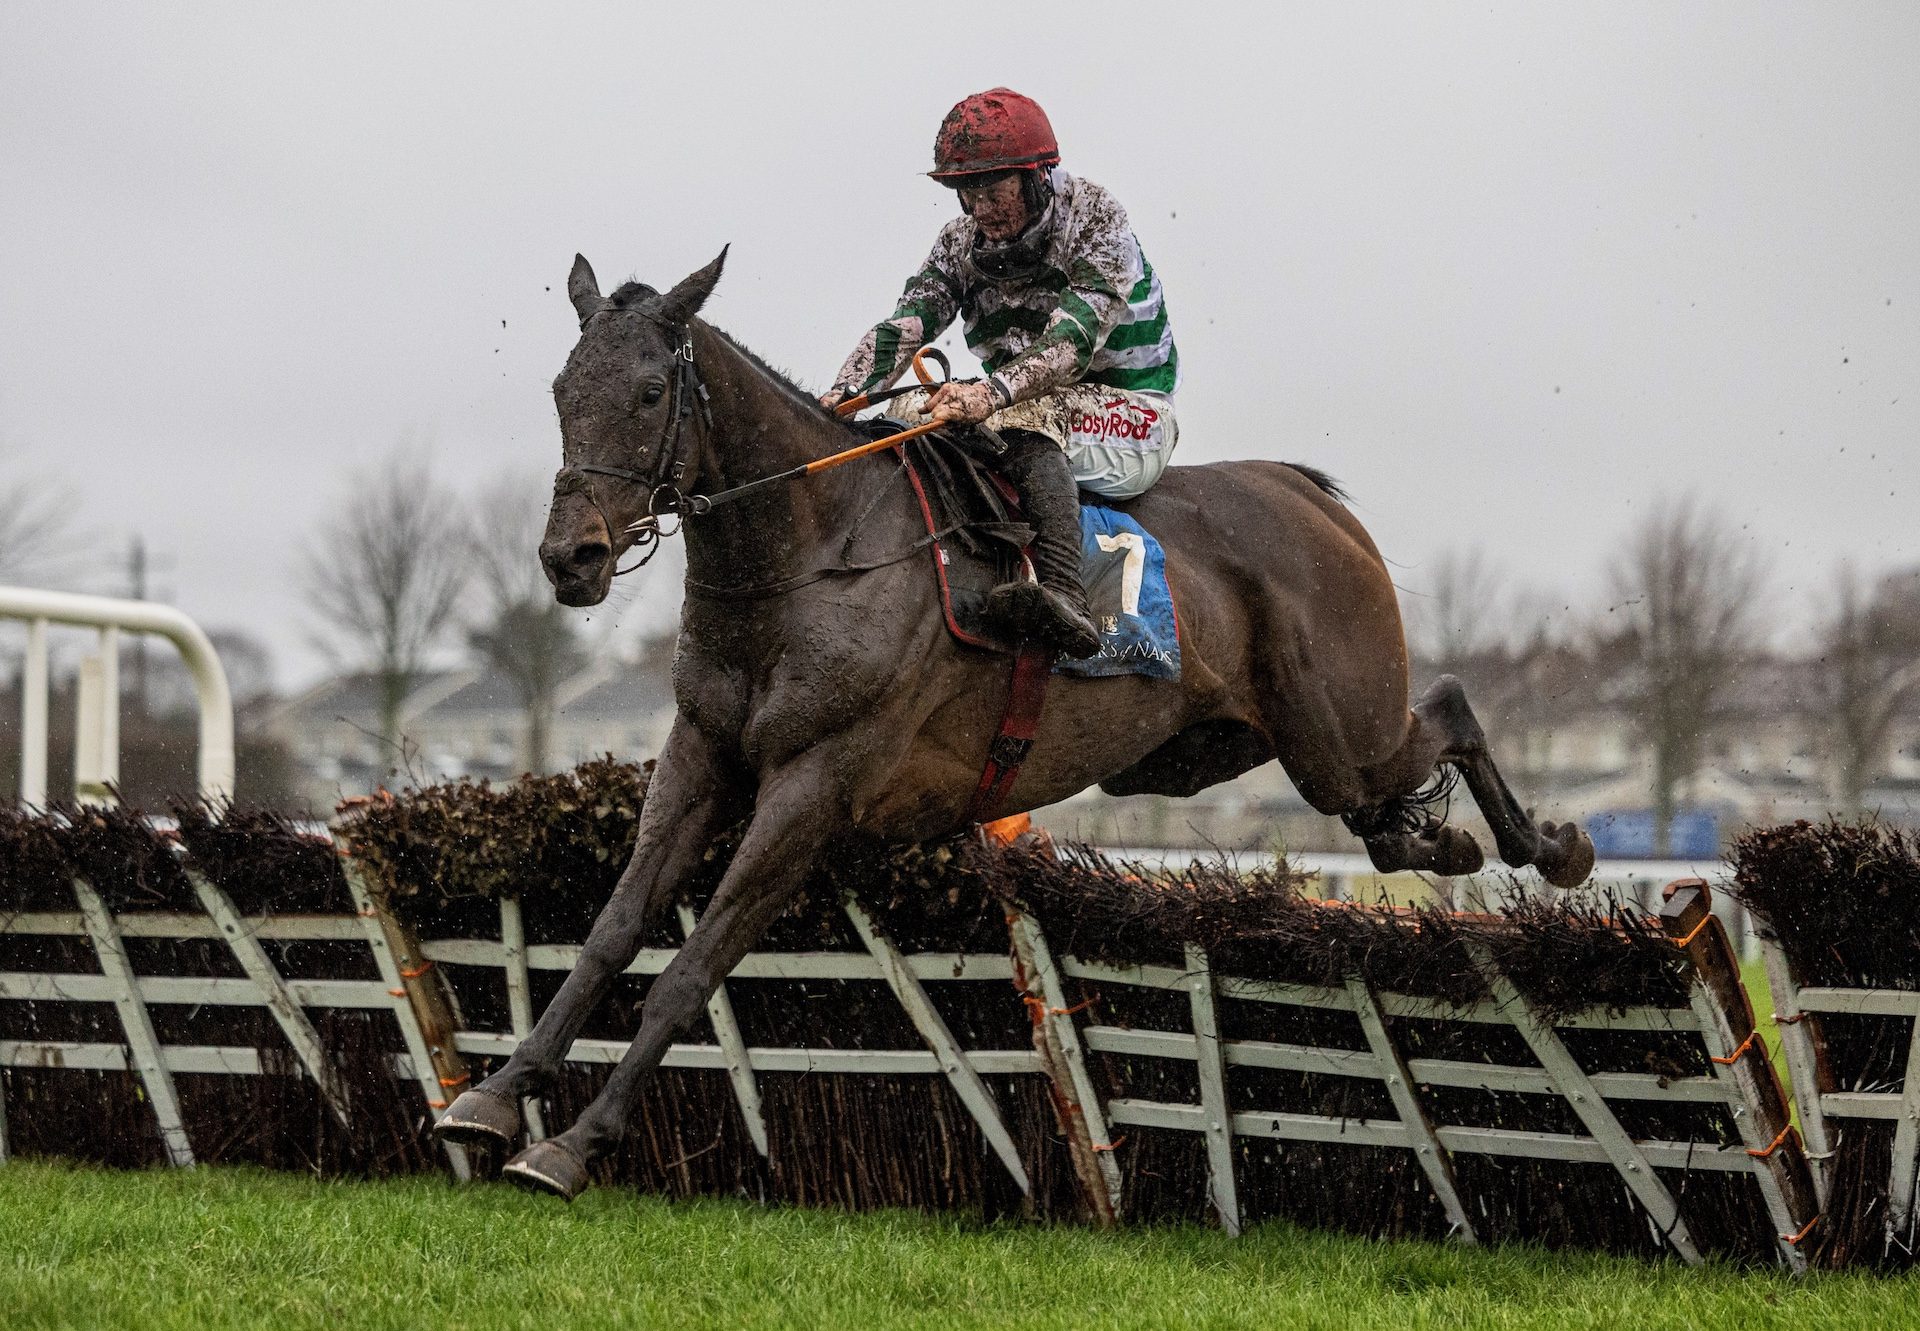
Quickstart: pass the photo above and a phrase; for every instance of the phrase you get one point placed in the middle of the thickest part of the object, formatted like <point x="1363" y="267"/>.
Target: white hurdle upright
<point x="96" y="760"/>
<point x="97" y="729"/>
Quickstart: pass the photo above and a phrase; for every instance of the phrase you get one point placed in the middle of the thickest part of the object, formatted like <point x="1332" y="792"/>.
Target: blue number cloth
<point x="1125" y="572"/>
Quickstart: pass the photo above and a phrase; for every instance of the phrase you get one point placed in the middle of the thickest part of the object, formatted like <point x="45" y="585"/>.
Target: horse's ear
<point x="583" y="289"/>
<point x="685" y="300"/>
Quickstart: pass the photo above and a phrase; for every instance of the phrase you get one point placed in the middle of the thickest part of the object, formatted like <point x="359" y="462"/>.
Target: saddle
<point x="972" y="517"/>
<point x="973" y="524"/>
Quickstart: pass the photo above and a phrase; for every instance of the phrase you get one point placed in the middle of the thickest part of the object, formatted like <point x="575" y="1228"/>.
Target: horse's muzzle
<point x="577" y="552"/>
<point x="579" y="594"/>
<point x="581" y="574"/>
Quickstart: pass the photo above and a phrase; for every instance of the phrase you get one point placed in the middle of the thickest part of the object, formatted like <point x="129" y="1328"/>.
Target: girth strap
<point x="1032" y="668"/>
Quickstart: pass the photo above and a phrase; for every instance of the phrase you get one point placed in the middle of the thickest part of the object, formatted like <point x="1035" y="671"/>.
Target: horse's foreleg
<point x="687" y="804"/>
<point x="792" y="821"/>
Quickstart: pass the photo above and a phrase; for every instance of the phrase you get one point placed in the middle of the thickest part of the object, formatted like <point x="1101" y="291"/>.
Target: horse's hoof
<point x="478" y="1117"/>
<point x="1567" y="857"/>
<point x="1456" y="853"/>
<point x="548" y="1166"/>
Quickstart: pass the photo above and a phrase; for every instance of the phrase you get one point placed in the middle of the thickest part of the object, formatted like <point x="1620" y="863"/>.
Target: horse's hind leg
<point x="1401" y="834"/>
<point x="1382" y="802"/>
<point x="1445" y="726"/>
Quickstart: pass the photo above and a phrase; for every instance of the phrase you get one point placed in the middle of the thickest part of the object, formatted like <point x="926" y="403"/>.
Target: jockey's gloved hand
<point x="833" y="397"/>
<point x="962" y="402"/>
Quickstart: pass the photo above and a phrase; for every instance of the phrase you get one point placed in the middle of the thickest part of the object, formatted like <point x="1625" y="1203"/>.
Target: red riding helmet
<point x="996" y="130"/>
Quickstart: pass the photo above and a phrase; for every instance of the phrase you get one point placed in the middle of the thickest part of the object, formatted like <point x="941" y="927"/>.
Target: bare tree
<point x="1869" y="649"/>
<point x="1545" y="683"/>
<point x="1459" y="619"/>
<point x="1685" y="619"/>
<point x="384" y="571"/>
<point x="36" y="542"/>
<point x="1466" y="619"/>
<point x="518" y="628"/>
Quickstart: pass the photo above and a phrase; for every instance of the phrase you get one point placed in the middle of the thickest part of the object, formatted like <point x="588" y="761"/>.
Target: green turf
<point x="231" y="1248"/>
<point x="1760" y="993"/>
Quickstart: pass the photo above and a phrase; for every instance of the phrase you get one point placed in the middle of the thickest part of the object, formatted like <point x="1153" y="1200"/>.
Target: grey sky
<point x="1509" y="272"/>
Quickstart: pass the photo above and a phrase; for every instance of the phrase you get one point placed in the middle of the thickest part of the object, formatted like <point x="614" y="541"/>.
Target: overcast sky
<point x="1510" y="272"/>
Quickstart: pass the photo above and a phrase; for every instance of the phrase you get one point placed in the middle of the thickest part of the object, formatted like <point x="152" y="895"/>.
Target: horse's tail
<point x="1325" y="482"/>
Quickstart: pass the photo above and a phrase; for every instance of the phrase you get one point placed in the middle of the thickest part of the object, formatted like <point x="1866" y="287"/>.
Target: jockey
<point x="1067" y="318"/>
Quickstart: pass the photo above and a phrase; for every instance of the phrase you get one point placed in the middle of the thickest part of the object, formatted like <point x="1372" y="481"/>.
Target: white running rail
<point x="97" y="726"/>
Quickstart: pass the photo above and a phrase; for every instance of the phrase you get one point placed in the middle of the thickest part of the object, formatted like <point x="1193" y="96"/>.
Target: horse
<point x="815" y="700"/>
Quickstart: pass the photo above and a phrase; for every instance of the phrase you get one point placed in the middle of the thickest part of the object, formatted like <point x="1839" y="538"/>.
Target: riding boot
<point x="1053" y="611"/>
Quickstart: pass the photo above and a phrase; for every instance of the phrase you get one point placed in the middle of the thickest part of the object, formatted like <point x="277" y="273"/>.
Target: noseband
<point x="663" y="483"/>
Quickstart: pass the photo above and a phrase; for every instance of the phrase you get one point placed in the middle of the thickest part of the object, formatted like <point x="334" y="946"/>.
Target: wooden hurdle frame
<point x="260" y="985"/>
<point x="1066" y="1042"/>
<point x="1800" y="1010"/>
<point x="881" y="960"/>
<point x="1717" y="1014"/>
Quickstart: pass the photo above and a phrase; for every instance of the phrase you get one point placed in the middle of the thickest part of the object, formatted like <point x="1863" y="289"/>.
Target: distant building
<point x="1560" y="727"/>
<point x="468" y="723"/>
<point x="333" y="730"/>
<point x="618" y="709"/>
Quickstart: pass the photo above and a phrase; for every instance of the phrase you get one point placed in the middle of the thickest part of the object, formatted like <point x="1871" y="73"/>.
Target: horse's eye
<point x="651" y="396"/>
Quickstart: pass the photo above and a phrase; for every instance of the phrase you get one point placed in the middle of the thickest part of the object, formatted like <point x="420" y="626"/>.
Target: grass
<point x="1753" y="975"/>
<point x="223" y="1248"/>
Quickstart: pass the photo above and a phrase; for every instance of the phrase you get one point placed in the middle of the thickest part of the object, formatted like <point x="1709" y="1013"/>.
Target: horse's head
<point x="618" y="429"/>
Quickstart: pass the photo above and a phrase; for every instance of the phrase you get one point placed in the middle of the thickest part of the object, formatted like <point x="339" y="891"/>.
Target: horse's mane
<point x="634" y="295"/>
<point x="779" y="377"/>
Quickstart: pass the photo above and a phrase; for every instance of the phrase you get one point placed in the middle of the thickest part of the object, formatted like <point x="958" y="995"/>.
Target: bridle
<point x="685" y="390"/>
<point x="669" y="467"/>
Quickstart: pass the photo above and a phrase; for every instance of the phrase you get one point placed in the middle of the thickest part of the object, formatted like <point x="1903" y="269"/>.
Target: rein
<point x="702" y="504"/>
<point x="669" y="467"/>
<point x="760" y="591"/>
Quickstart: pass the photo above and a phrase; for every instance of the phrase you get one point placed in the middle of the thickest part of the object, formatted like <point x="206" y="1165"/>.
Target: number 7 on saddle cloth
<point x="1125" y="573"/>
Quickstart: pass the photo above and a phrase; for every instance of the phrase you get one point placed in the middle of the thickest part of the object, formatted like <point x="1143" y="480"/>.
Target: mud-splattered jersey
<point x="1094" y="311"/>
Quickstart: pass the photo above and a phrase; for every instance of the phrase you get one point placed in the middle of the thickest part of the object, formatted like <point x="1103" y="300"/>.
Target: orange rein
<point x="703" y="504"/>
<point x="876" y="446"/>
<point x="854" y="404"/>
